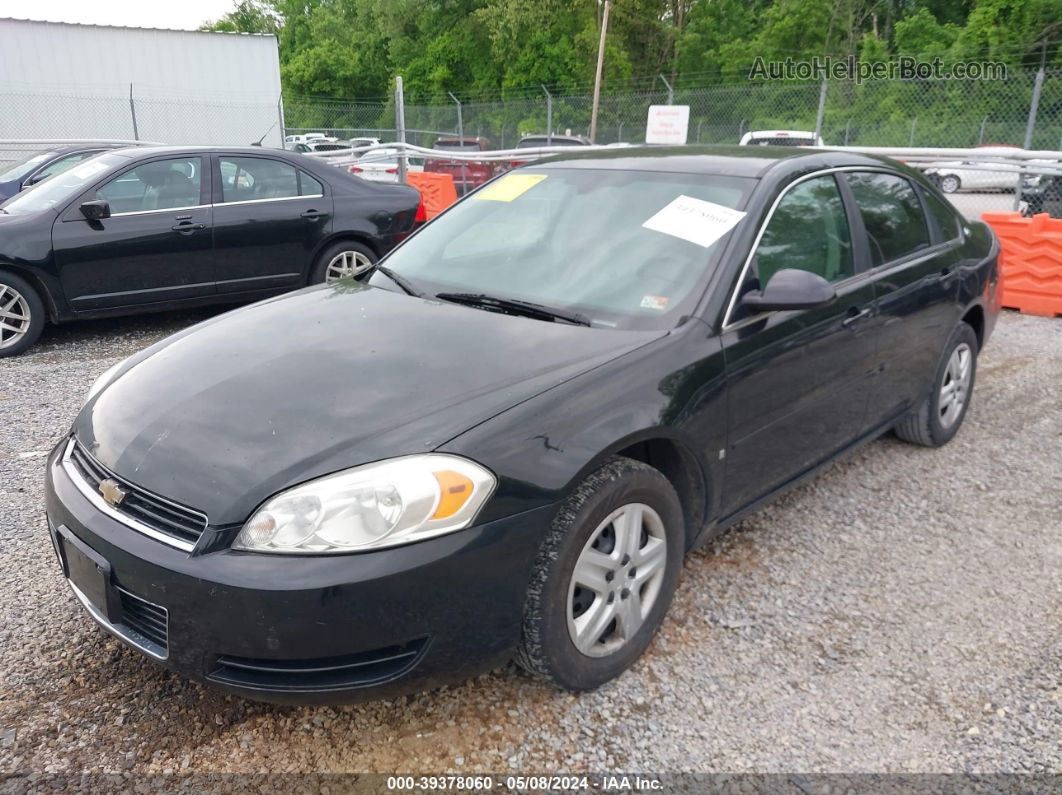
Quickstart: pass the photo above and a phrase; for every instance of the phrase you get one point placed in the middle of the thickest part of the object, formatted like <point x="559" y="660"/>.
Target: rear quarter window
<point x="944" y="214"/>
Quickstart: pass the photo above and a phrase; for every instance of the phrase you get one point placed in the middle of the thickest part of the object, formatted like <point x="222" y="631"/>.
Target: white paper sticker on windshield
<point x="88" y="169"/>
<point x="695" y="220"/>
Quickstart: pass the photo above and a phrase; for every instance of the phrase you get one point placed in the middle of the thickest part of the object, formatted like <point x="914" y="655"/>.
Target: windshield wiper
<point x="401" y="281"/>
<point x="525" y="308"/>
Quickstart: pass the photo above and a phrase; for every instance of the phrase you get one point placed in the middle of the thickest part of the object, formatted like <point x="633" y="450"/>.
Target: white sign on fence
<point x="667" y="124"/>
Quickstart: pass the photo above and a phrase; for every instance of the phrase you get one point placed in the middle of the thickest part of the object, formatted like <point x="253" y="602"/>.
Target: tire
<point x="950" y="183"/>
<point x="22" y="314"/>
<point x="581" y="528"/>
<point x="330" y="262"/>
<point x="934" y="423"/>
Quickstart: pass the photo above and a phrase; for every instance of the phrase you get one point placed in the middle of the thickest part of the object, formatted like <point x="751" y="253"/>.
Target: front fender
<point x="671" y="389"/>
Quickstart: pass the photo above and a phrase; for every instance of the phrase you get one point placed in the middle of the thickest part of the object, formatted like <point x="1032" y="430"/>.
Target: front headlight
<point x="102" y="381"/>
<point x="368" y="507"/>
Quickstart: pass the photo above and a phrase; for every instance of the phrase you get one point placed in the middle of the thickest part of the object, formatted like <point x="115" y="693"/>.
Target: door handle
<point x="948" y="275"/>
<point x="854" y="316"/>
<point x="187" y="226"/>
<point x="313" y="215"/>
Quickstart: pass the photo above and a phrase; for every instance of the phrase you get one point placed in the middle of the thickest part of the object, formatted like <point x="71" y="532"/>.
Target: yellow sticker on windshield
<point x="509" y="187"/>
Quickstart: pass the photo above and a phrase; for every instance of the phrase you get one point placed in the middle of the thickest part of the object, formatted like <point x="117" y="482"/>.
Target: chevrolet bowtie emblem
<point x="111" y="491"/>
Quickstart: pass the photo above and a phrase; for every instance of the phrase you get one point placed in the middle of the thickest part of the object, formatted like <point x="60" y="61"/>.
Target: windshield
<point x="624" y="248"/>
<point x="24" y="166"/>
<point x="56" y="190"/>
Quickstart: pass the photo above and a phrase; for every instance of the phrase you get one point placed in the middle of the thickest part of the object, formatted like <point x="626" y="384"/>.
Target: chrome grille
<point x="153" y="515"/>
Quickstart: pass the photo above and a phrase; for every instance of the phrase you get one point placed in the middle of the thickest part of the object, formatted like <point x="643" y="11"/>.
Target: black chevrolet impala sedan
<point x="147" y="229"/>
<point x="560" y="386"/>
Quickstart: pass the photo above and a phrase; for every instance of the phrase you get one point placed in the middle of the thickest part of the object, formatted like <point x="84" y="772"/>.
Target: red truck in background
<point x="467" y="174"/>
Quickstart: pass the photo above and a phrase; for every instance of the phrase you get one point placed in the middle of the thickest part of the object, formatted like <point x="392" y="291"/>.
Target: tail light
<point x="356" y="169"/>
<point x="392" y="171"/>
<point x="422" y="211"/>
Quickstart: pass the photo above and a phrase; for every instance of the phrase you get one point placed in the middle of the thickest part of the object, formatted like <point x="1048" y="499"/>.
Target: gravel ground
<point x="900" y="613"/>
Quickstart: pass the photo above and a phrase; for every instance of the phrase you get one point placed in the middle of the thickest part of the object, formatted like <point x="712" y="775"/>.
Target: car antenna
<point x="259" y="141"/>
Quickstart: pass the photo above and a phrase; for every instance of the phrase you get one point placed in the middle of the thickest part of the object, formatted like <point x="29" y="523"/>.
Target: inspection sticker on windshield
<point x="509" y="187"/>
<point x="695" y="220"/>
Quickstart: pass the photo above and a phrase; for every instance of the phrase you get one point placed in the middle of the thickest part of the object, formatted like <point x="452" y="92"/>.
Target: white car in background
<point x="290" y="141"/>
<point x="780" y="138"/>
<point x="965" y="175"/>
<point x="381" y="165"/>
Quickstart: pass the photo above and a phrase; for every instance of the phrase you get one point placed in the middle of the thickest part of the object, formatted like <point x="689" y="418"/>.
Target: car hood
<point x="228" y="413"/>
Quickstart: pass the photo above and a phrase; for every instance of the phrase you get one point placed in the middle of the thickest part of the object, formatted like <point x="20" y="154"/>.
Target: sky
<point x="179" y="15"/>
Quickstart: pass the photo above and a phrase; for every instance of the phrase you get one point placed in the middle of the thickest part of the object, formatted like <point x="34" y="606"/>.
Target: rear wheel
<point x="21" y="314"/>
<point x="938" y="418"/>
<point x="346" y="259"/>
<point x="950" y="183"/>
<point x="604" y="576"/>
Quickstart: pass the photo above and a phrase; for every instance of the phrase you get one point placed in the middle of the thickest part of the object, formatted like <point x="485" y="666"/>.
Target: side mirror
<point x="790" y="288"/>
<point x="33" y="180"/>
<point x="96" y="210"/>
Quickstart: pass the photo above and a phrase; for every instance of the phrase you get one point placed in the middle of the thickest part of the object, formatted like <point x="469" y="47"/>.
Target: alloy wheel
<point x="347" y="265"/>
<point x="956" y="385"/>
<point x="14" y="316"/>
<point x="616" y="580"/>
<point x="949" y="184"/>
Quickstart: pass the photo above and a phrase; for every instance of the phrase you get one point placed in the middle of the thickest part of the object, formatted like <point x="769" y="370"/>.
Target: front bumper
<point x="307" y="629"/>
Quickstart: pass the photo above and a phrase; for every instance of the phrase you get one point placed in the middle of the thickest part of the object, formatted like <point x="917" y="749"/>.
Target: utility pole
<point x="549" y="117"/>
<point x="400" y="127"/>
<point x="597" y="78"/>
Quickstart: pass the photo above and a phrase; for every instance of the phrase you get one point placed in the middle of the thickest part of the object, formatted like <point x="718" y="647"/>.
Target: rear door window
<point x="892" y="215"/>
<point x="257" y="179"/>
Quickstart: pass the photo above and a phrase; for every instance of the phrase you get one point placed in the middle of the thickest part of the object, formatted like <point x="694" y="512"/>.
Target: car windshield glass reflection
<point x="575" y="239"/>
<point x="23" y="167"/>
<point x="61" y="187"/>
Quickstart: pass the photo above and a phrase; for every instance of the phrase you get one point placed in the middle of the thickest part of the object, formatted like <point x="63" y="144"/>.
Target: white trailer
<point x="60" y="80"/>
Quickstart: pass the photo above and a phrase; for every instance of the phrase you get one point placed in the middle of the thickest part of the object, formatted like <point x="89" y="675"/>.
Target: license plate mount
<point x="89" y="571"/>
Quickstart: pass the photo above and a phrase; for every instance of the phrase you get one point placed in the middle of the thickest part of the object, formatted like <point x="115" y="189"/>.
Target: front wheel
<point x="604" y="576"/>
<point x="937" y="419"/>
<point x="346" y="259"/>
<point x="21" y="314"/>
<point x="950" y="183"/>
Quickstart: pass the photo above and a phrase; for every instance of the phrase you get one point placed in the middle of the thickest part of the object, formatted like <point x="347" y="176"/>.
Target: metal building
<point x="60" y="80"/>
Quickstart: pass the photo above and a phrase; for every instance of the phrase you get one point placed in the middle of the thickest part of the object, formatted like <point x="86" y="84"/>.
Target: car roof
<point x="535" y="136"/>
<point x="775" y="133"/>
<point x="739" y="161"/>
<point x="155" y="151"/>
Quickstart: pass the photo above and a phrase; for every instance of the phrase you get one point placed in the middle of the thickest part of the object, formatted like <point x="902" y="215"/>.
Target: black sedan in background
<point x="1044" y="196"/>
<point x="137" y="230"/>
<point x="577" y="373"/>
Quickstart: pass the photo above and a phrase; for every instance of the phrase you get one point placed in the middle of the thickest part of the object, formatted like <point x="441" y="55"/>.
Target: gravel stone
<point x="900" y="613"/>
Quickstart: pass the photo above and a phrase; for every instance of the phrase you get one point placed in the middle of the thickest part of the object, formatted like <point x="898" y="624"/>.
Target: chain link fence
<point x="135" y="114"/>
<point x="1024" y="109"/>
<point x="932" y="113"/>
